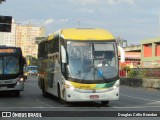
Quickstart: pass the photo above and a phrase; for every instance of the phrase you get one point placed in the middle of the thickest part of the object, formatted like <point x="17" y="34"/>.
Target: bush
<point x="126" y="68"/>
<point x="132" y="74"/>
<point x="137" y="73"/>
<point x="142" y="74"/>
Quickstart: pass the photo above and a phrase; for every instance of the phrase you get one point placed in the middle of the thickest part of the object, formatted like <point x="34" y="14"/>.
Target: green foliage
<point x="132" y="73"/>
<point x="126" y="68"/>
<point x="142" y="73"/>
<point x="137" y="74"/>
<point x="33" y="60"/>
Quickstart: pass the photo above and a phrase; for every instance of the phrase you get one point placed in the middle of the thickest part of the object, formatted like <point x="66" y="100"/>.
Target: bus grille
<point x="8" y="85"/>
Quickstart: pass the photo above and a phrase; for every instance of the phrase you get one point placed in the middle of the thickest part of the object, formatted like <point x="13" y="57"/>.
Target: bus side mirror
<point x="63" y="54"/>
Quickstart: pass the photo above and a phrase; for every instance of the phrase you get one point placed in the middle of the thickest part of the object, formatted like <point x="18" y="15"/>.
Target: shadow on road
<point x="4" y="94"/>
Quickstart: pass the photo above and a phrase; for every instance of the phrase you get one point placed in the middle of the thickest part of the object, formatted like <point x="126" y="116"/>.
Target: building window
<point x="157" y="49"/>
<point x="147" y="64"/>
<point x="147" y="50"/>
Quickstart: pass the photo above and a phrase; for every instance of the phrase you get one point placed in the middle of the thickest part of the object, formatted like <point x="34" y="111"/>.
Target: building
<point x="26" y="38"/>
<point x="150" y="53"/>
<point x="132" y="59"/>
<point x="9" y="38"/>
<point x="23" y="36"/>
<point x="132" y="54"/>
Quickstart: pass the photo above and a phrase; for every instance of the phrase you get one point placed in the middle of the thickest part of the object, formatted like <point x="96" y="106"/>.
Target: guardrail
<point x="145" y="82"/>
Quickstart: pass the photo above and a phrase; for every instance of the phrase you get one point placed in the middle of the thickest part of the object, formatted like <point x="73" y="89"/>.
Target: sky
<point x="131" y="20"/>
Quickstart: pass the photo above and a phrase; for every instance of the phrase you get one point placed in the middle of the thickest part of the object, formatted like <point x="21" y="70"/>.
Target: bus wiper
<point x="85" y="75"/>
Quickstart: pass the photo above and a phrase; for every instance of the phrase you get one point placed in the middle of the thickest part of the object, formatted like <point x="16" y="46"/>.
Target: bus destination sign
<point x="7" y="50"/>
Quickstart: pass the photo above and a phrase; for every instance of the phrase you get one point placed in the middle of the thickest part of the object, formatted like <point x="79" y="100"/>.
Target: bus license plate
<point x="94" y="96"/>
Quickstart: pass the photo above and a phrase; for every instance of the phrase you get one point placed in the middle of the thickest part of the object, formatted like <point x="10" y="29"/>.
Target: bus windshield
<point x="92" y="60"/>
<point x="9" y="65"/>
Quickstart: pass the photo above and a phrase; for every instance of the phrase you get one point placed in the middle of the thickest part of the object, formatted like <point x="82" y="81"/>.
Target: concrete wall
<point x="147" y="83"/>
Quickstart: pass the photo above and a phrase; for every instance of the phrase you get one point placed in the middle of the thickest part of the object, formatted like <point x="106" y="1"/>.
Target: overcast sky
<point x="132" y="20"/>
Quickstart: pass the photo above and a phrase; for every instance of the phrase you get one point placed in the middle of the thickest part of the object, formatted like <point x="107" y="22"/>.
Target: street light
<point x="2" y="1"/>
<point x="5" y="23"/>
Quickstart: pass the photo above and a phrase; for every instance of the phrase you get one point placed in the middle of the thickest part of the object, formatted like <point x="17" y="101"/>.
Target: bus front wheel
<point x="59" y="96"/>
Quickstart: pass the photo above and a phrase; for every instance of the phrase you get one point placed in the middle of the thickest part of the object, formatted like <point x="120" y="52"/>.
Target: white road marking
<point x="140" y="98"/>
<point x="133" y="107"/>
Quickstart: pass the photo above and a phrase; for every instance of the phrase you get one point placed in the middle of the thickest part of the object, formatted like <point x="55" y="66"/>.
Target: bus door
<point x="57" y="72"/>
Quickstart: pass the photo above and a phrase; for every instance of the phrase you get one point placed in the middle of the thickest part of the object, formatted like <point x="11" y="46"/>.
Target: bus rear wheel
<point x="104" y="102"/>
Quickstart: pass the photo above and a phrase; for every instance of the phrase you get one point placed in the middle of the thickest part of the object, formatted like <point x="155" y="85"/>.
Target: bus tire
<point x="17" y="93"/>
<point x="59" y="97"/>
<point x="104" y="102"/>
<point x="44" y="93"/>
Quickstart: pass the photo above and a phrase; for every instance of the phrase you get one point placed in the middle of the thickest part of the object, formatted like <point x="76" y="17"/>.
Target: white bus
<point x="11" y="69"/>
<point x="79" y="65"/>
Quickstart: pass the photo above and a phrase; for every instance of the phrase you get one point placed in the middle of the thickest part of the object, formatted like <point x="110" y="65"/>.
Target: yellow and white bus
<point x="79" y="64"/>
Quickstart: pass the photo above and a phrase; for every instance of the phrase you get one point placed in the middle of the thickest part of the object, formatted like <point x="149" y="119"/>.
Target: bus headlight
<point x="69" y="87"/>
<point x="21" y="79"/>
<point x="25" y="73"/>
<point x="115" y="86"/>
<point x="72" y="88"/>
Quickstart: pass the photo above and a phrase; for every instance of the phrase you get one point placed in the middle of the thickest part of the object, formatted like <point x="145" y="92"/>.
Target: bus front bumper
<point x="15" y="86"/>
<point x="91" y="95"/>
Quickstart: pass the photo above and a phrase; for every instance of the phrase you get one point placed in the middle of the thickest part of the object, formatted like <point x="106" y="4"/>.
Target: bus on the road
<point x="31" y="70"/>
<point x="77" y="65"/>
<point x="11" y="69"/>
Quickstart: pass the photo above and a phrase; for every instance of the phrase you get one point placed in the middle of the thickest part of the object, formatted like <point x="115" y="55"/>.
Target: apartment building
<point x="9" y="38"/>
<point x="23" y="36"/>
<point x="26" y="38"/>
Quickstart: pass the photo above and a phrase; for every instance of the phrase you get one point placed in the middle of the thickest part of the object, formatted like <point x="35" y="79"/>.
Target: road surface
<point x="132" y="100"/>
